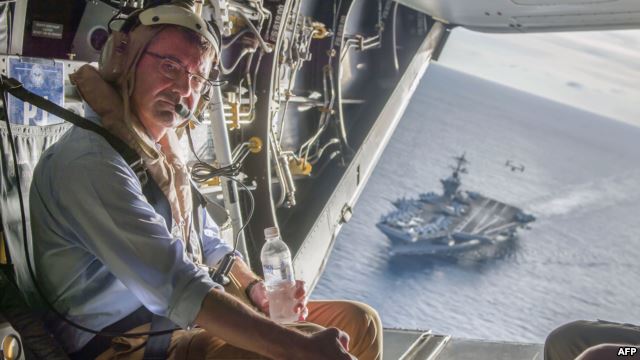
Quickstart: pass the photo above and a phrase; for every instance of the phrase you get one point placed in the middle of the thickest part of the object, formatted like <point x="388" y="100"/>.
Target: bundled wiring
<point x="203" y="172"/>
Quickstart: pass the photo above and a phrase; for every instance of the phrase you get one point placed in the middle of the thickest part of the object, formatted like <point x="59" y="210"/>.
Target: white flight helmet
<point x="114" y="52"/>
<point x="181" y="16"/>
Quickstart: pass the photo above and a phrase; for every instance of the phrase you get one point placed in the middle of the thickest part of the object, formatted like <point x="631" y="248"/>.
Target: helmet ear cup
<point x="113" y="56"/>
<point x="114" y="53"/>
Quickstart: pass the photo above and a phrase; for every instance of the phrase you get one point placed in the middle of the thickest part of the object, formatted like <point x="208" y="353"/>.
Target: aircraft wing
<point x="532" y="15"/>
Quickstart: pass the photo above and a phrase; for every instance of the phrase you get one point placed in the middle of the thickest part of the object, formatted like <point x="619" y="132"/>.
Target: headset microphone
<point x="182" y="111"/>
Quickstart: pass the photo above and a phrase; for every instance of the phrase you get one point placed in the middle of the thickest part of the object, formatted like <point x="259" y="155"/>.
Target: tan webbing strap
<point x="3" y="250"/>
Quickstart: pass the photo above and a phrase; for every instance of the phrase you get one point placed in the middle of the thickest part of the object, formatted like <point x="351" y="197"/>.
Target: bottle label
<point x="282" y="271"/>
<point x="268" y="270"/>
<point x="285" y="270"/>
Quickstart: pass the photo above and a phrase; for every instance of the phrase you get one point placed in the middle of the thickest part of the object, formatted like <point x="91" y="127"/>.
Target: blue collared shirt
<point x="101" y="250"/>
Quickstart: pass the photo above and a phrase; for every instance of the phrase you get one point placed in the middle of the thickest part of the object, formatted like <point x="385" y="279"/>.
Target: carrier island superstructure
<point x="452" y="222"/>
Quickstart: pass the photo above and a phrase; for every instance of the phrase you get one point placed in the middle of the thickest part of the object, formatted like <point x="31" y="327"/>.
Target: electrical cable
<point x="202" y="172"/>
<point x="314" y="158"/>
<point x="325" y="164"/>
<point x="251" y="209"/>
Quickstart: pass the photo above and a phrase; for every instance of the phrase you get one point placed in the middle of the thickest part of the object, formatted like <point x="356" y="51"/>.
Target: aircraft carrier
<point x="452" y="222"/>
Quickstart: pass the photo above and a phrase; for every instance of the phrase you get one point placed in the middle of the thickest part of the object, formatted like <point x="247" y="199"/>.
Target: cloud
<point x="554" y="65"/>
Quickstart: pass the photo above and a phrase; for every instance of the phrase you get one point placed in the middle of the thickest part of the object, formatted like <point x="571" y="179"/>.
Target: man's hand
<point x="331" y="344"/>
<point x="300" y="295"/>
<point x="224" y="316"/>
<point x="258" y="297"/>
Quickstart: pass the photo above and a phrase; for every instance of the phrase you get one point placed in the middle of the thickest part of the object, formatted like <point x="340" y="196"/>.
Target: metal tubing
<point x="279" y="172"/>
<point x="394" y="21"/>
<point x="222" y="149"/>
<point x="265" y="47"/>
<point x="18" y="24"/>
<point x="244" y="52"/>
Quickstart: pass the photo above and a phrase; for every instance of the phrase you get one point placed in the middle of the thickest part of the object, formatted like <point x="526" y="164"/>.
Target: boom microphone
<point x="183" y="111"/>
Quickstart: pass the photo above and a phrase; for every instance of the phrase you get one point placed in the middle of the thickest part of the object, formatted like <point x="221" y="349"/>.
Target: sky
<point x="597" y="71"/>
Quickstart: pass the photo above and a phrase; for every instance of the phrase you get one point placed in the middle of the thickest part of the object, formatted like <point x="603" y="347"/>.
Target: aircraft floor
<point x="422" y="345"/>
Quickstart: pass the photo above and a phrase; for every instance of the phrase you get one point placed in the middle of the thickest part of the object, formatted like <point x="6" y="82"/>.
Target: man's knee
<point x="604" y="352"/>
<point x="363" y="309"/>
<point x="366" y="315"/>
<point x="368" y="345"/>
<point x="563" y="339"/>
<point x="358" y="319"/>
<point x="567" y="332"/>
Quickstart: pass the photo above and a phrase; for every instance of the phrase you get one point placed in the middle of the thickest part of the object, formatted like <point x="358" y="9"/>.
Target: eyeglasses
<point x="174" y="70"/>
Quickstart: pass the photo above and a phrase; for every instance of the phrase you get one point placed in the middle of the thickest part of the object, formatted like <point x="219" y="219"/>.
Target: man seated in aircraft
<point x="589" y="340"/>
<point x="103" y="251"/>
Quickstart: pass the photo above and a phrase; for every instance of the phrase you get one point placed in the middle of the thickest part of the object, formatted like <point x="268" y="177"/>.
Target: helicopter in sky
<point x="513" y="166"/>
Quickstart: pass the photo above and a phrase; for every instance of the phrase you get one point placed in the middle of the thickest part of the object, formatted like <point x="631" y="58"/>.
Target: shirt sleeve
<point x="113" y="220"/>
<point x="214" y="247"/>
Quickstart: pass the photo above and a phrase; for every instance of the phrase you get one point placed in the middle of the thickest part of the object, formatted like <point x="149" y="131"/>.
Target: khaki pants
<point x="358" y="320"/>
<point x="570" y="340"/>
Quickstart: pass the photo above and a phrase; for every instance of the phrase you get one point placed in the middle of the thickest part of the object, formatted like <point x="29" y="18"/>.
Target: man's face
<point x="155" y="96"/>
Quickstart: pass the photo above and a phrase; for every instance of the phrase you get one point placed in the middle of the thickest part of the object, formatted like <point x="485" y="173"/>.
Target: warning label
<point x="46" y="30"/>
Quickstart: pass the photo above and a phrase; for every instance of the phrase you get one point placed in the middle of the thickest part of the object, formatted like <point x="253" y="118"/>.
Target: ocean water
<point x="579" y="260"/>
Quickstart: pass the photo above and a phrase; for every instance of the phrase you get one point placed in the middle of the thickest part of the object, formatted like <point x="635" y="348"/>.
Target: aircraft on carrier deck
<point x="310" y="93"/>
<point x="450" y="223"/>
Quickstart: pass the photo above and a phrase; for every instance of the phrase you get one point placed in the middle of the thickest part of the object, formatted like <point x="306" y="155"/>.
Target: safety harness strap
<point x="15" y="88"/>
<point x="157" y="346"/>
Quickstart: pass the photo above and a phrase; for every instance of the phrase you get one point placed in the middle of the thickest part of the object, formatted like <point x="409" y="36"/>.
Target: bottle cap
<point x="271" y="232"/>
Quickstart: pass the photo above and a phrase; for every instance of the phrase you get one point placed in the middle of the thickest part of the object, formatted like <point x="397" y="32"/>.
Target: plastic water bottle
<point x="278" y="277"/>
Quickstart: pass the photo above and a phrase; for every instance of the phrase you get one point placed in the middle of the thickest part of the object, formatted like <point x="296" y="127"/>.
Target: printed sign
<point x="42" y="77"/>
<point x="46" y="30"/>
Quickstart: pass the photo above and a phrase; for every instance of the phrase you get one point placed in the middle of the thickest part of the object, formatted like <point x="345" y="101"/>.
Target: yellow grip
<point x="300" y="167"/>
<point x="3" y="251"/>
